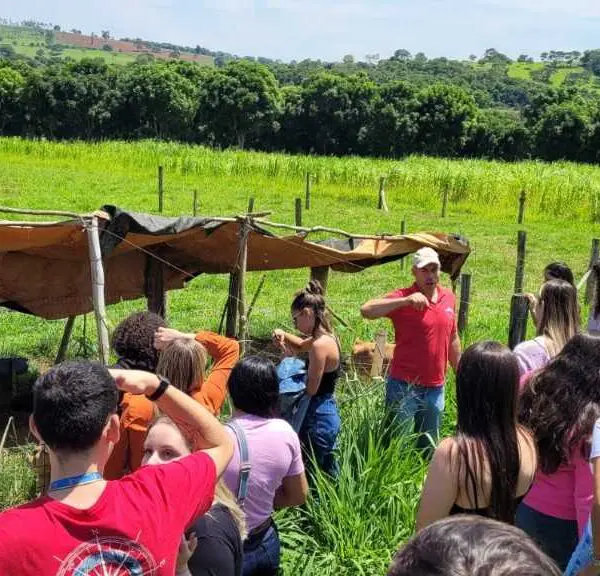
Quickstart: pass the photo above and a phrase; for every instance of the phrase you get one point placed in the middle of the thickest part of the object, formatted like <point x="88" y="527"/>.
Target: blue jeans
<point x="262" y="557"/>
<point x="418" y="406"/>
<point x="556" y="537"/>
<point x="583" y="554"/>
<point x="320" y="431"/>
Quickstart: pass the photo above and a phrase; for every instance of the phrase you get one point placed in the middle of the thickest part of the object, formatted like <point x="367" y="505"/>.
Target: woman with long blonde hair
<point x="557" y="322"/>
<point x="213" y="545"/>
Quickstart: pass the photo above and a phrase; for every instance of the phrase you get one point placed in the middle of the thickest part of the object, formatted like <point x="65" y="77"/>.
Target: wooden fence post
<point x="307" y="204"/>
<point x="382" y="204"/>
<point x="97" y="270"/>
<point x="519" y="310"/>
<point x="320" y="273"/>
<point x="590" y="287"/>
<point x="243" y="318"/>
<point x="402" y="233"/>
<point x="64" y="343"/>
<point x="520" y="270"/>
<point x="522" y="199"/>
<point x="231" y="324"/>
<point x="298" y="212"/>
<point x="195" y="207"/>
<point x="379" y="354"/>
<point x="465" y="299"/>
<point x="154" y="286"/>
<point x="250" y="205"/>
<point x="160" y="188"/>
<point x="445" y="201"/>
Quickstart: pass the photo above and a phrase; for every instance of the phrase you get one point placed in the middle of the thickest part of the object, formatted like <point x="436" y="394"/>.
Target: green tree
<point x="11" y="87"/>
<point x="562" y="132"/>
<point x="591" y="61"/>
<point x="444" y="114"/>
<point x="155" y="101"/>
<point x="238" y="101"/>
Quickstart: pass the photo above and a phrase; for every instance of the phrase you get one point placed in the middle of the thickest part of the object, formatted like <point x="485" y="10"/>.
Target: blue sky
<point x="329" y="29"/>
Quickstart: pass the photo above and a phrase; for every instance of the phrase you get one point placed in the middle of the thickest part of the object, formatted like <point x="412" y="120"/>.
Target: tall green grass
<point x="353" y="527"/>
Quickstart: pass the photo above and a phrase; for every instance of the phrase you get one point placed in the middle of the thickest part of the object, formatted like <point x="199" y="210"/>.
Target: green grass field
<point x="354" y="528"/>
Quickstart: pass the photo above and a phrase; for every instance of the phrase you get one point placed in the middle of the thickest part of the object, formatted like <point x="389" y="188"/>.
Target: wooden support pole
<point x="298" y="212"/>
<point x="195" y="210"/>
<point x="590" y="287"/>
<point x="160" y="188"/>
<point x="307" y="203"/>
<point x="154" y="286"/>
<point x="381" y="203"/>
<point x="97" y="270"/>
<point x="445" y="201"/>
<point x="64" y="343"/>
<point x="378" y="354"/>
<point x="320" y="273"/>
<point x="522" y="198"/>
<point x="243" y="318"/>
<point x="519" y="310"/>
<point x="403" y="232"/>
<point x="465" y="298"/>
<point x="250" y="206"/>
<point x="231" y="324"/>
<point x="256" y="295"/>
<point x="520" y="270"/>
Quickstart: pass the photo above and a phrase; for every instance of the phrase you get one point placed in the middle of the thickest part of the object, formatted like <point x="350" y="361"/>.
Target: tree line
<point x="391" y="108"/>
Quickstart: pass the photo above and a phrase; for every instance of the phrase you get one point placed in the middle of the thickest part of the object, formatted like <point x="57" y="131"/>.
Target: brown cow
<point x="362" y="357"/>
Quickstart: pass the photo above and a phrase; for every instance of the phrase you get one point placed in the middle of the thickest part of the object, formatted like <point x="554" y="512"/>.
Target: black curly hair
<point x="133" y="341"/>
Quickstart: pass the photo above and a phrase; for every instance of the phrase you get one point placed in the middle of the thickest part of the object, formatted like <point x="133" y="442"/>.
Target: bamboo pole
<point x="32" y="212"/>
<point x="323" y="229"/>
<point x="64" y="343"/>
<point x="98" y="289"/>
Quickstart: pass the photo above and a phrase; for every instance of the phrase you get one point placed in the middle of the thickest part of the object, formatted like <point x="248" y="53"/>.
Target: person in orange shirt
<point x="137" y="412"/>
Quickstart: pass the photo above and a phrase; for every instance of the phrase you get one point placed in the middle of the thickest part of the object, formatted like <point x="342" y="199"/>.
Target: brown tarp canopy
<point x="45" y="270"/>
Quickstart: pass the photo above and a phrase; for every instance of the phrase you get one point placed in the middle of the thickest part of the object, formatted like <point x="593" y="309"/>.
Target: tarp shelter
<point x="45" y="269"/>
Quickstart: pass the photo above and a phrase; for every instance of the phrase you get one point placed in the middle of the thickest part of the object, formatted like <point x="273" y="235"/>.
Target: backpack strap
<point x="245" y="466"/>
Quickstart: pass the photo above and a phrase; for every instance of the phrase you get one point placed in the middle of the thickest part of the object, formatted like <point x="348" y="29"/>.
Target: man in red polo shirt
<point x="426" y="341"/>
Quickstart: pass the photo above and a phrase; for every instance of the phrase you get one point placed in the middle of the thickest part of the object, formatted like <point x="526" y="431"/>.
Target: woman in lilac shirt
<point x="557" y="316"/>
<point x="560" y="405"/>
<point x="276" y="479"/>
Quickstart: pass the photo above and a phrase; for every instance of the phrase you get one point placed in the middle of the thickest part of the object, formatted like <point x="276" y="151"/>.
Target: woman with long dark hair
<point x="321" y="425"/>
<point x="560" y="405"/>
<point x="489" y="464"/>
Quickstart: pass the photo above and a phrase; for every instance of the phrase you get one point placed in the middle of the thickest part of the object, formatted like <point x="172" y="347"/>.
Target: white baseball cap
<point x="425" y="256"/>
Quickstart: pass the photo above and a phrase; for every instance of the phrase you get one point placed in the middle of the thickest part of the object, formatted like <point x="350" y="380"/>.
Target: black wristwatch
<point x="162" y="388"/>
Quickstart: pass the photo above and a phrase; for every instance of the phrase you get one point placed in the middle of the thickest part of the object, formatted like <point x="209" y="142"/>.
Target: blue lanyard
<point x="75" y="481"/>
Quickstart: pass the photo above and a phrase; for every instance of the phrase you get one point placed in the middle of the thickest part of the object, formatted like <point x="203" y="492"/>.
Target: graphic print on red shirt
<point x="134" y="528"/>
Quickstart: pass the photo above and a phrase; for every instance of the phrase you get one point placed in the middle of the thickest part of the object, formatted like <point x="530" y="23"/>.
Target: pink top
<point x="274" y="453"/>
<point x="567" y="494"/>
